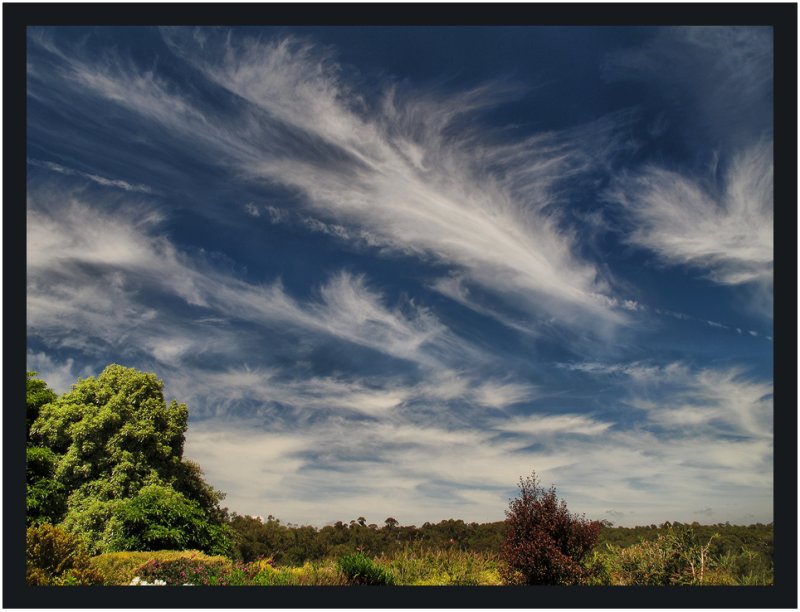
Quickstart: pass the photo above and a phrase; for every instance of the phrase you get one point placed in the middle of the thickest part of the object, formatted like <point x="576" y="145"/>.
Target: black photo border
<point x="782" y="17"/>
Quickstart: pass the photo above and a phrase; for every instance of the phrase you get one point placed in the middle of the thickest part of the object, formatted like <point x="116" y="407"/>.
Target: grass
<point x="417" y="565"/>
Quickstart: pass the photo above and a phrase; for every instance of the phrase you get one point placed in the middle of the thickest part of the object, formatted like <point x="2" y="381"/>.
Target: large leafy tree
<point x="37" y="394"/>
<point x="45" y="499"/>
<point x="114" y="437"/>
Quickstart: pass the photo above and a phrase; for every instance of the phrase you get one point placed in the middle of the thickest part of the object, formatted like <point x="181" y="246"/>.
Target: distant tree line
<point x="292" y="544"/>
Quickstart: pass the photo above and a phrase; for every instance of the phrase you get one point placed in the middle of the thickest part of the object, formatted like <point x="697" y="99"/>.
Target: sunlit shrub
<point x="57" y="557"/>
<point x="192" y="569"/>
<point x="119" y="568"/>
<point x="360" y="569"/>
<point x="673" y="558"/>
<point x="317" y="573"/>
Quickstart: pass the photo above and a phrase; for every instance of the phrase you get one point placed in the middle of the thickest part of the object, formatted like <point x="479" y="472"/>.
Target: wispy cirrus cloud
<point x="405" y="171"/>
<point x="726" y="231"/>
<point x="100" y="180"/>
<point x="415" y="469"/>
<point x="676" y="396"/>
<point x="97" y="279"/>
<point x="724" y="74"/>
<point x="718" y="219"/>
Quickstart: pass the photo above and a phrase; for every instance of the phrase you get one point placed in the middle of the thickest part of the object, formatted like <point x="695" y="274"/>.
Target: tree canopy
<point x="115" y="448"/>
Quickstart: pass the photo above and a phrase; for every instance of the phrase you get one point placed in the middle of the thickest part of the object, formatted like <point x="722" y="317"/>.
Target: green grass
<point x="416" y="565"/>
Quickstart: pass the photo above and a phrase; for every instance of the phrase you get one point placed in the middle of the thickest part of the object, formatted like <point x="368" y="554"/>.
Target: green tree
<point x="37" y="394"/>
<point x="161" y="518"/>
<point x="45" y="499"/>
<point x="112" y="437"/>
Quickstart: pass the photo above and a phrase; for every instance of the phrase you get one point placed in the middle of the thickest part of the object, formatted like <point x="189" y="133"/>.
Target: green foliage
<point x="37" y="394"/>
<point x="360" y="569"/>
<point x="119" y="568"/>
<point x="187" y="570"/>
<point x="45" y="498"/>
<point x="747" y="567"/>
<point x="676" y="557"/>
<point x="116" y="429"/>
<point x="112" y="470"/>
<point x="289" y="544"/>
<point x="159" y="518"/>
<point x="56" y="557"/>
<point x="419" y="565"/>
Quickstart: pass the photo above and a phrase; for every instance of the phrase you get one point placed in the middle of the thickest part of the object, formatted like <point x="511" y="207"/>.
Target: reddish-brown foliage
<point x="545" y="544"/>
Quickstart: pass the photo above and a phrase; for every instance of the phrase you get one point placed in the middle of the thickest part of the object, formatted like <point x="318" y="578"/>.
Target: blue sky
<point x="391" y="270"/>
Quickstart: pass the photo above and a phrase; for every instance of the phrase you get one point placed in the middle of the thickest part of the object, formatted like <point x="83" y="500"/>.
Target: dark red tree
<point x="545" y="544"/>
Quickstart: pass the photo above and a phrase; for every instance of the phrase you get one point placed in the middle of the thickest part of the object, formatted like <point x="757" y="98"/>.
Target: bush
<point x="160" y="518"/>
<point x="57" y="557"/>
<point x="192" y="569"/>
<point x="673" y="558"/>
<point x="360" y="569"/>
<point x="545" y="544"/>
<point x="119" y="568"/>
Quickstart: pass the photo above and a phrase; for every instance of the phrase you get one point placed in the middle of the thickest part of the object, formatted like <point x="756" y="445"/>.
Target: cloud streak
<point x="407" y="171"/>
<point x="100" y="180"/>
<point x="725" y="231"/>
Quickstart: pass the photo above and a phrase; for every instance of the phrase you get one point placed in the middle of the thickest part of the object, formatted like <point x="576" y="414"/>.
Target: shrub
<point x="673" y="558"/>
<point x="191" y="569"/>
<point x="545" y="544"/>
<point x="317" y="573"/>
<point x="360" y="569"/>
<point x="119" y="568"/>
<point x="45" y="498"/>
<point x="159" y="518"/>
<point x="57" y="557"/>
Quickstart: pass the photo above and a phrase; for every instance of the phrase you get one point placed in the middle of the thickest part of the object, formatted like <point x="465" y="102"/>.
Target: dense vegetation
<point x="105" y="461"/>
<point x="111" y="500"/>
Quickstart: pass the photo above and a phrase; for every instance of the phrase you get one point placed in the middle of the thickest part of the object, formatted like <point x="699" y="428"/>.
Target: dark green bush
<point x="57" y="557"/>
<point x="160" y="518"/>
<point x="360" y="569"/>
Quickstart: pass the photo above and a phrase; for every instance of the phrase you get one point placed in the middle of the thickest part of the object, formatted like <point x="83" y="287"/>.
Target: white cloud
<point x="554" y="425"/>
<point x="725" y="232"/>
<point x="100" y="180"/>
<point x="66" y="234"/>
<point x="399" y="174"/>
<point x="95" y="281"/>
<point x="59" y="376"/>
<point x="406" y="173"/>
<point x="719" y="401"/>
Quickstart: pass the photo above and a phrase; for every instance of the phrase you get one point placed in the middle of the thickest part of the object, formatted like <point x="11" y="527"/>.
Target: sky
<point x="391" y="270"/>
